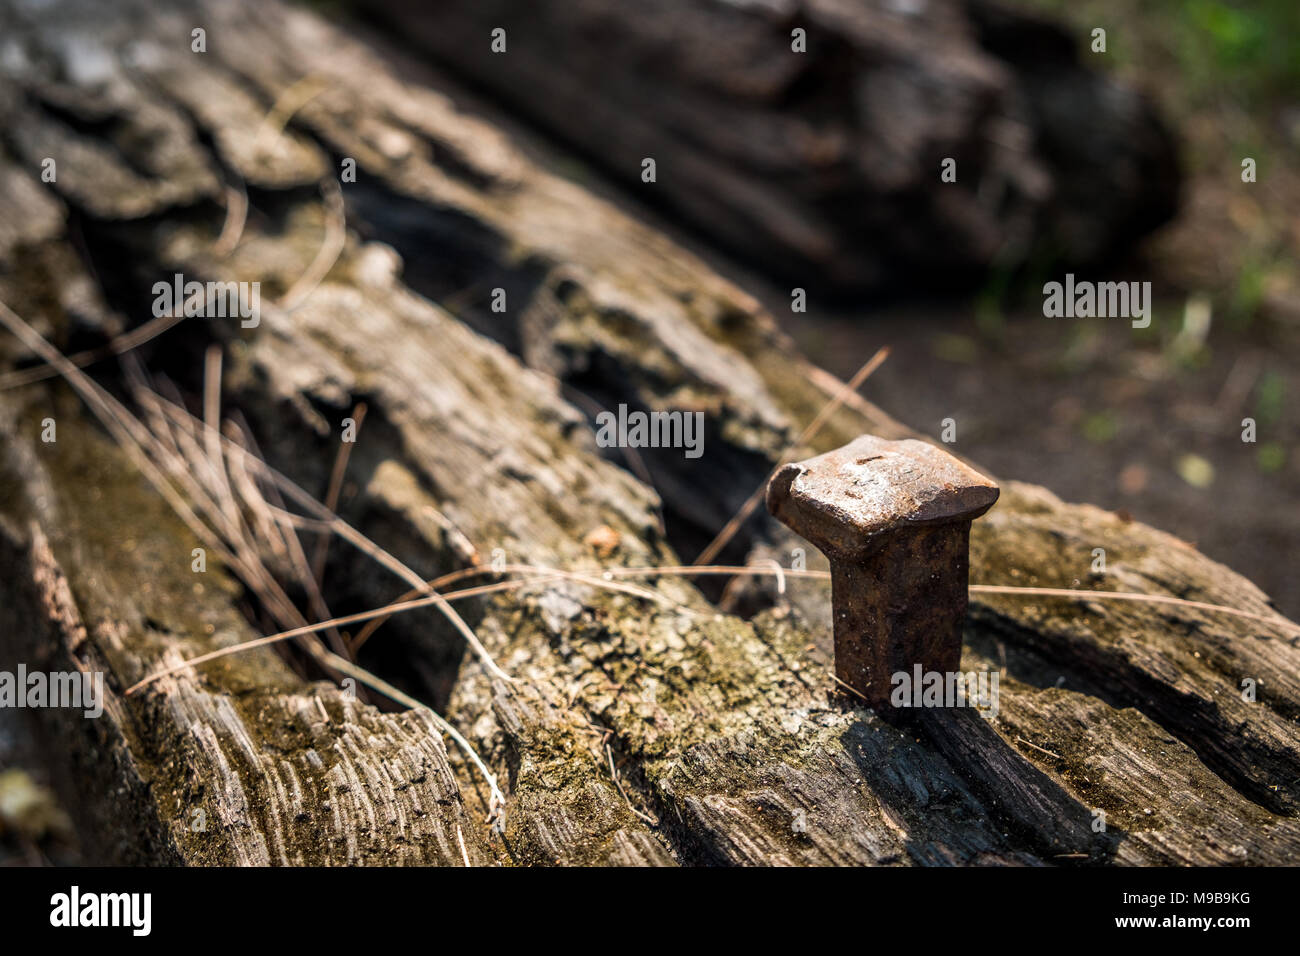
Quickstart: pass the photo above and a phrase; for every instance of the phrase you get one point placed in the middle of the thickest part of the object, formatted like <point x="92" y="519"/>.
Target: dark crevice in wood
<point x="1202" y="727"/>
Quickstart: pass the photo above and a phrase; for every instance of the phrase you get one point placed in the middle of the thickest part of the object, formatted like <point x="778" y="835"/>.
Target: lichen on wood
<point x="633" y="730"/>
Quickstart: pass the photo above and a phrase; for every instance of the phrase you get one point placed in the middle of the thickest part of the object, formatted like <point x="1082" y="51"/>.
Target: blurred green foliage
<point x="1271" y="457"/>
<point x="1270" y="397"/>
<point x="1255" y="44"/>
<point x="1248" y="48"/>
<point x="1100" y="427"/>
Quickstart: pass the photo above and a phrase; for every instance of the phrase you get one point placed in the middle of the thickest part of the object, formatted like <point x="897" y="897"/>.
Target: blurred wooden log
<point x="648" y="731"/>
<point x="823" y="166"/>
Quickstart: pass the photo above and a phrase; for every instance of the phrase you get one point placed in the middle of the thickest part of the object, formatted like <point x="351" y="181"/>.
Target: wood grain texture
<point x="636" y="731"/>
<point x="823" y="166"/>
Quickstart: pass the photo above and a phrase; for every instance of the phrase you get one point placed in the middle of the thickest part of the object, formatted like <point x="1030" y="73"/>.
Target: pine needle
<point x="850" y="387"/>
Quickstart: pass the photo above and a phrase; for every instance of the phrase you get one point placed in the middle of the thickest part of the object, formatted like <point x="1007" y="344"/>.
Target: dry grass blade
<point x="850" y="387"/>
<point x="236" y="218"/>
<point x="344" y="621"/>
<point x="130" y="435"/>
<point x="119" y="345"/>
<point x="354" y="537"/>
<point x="336" y="234"/>
<point x="1077" y="594"/>
<point x="593" y="580"/>
<point x="407" y="603"/>
<point x="209" y="490"/>
<point x="1277" y="620"/>
<point x="340" y="468"/>
<point x="399" y="607"/>
<point x="293" y="98"/>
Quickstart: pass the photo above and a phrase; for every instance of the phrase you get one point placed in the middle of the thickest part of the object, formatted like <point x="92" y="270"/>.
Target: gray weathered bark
<point x="634" y="730"/>
<point x="823" y="166"/>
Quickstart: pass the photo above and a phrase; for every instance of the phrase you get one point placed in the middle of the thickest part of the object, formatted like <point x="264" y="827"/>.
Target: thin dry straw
<point x="397" y="607"/>
<point x="335" y="239"/>
<point x="436" y="583"/>
<point x="220" y="503"/>
<point x="293" y="98"/>
<point x="128" y="432"/>
<point x="212" y="432"/>
<point x="683" y="571"/>
<point x="116" y="346"/>
<point x="782" y="573"/>
<point x="740" y="517"/>
<point x="357" y="540"/>
<point x="1276" y="620"/>
<point x="343" y="621"/>
<point x="335" y="488"/>
<point x="132" y="437"/>
<point x="630" y="454"/>
<point x="236" y="218"/>
<point x="272" y="501"/>
<point x="583" y="578"/>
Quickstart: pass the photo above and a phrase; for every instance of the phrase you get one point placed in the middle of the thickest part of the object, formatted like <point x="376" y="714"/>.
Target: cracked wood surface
<point x="636" y="731"/>
<point x="823" y="166"/>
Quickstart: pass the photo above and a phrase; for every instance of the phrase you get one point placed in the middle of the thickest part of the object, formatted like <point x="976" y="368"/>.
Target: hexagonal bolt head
<point x="894" y="519"/>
